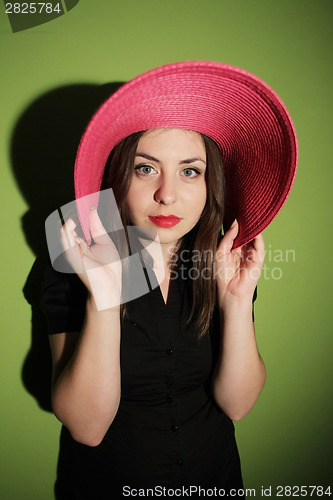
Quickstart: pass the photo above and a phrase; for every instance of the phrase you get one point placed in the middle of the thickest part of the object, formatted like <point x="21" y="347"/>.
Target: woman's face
<point x="168" y="187"/>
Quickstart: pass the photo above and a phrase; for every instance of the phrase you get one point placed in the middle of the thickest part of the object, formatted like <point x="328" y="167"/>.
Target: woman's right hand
<point x="98" y="266"/>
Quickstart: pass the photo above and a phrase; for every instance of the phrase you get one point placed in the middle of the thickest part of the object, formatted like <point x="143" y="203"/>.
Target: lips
<point x="165" y="220"/>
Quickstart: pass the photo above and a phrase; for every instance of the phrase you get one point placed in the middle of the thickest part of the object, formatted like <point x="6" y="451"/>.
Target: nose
<point x="166" y="191"/>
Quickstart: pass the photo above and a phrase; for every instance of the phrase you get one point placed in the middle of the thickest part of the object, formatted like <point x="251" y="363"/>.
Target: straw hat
<point x="241" y="113"/>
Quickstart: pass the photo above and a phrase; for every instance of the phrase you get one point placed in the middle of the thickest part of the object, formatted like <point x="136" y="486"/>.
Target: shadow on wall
<point x="43" y="149"/>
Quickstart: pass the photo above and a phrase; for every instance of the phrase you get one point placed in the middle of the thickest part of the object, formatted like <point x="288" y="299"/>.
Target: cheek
<point x="132" y="200"/>
<point x="135" y="201"/>
<point x="200" y="199"/>
<point x="203" y="201"/>
<point x="195" y="202"/>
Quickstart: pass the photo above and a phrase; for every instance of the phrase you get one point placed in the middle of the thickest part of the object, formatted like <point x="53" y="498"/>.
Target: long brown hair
<point x="201" y="242"/>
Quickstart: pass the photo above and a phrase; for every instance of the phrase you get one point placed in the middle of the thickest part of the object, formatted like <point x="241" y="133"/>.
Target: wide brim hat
<point x="240" y="112"/>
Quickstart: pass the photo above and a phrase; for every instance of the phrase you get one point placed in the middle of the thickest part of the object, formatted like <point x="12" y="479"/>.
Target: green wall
<point x="287" y="438"/>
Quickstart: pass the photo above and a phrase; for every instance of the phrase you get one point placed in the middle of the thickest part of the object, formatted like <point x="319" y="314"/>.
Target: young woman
<point x="147" y="389"/>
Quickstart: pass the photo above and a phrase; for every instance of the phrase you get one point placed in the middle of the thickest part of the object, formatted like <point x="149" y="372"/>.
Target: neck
<point x="162" y="256"/>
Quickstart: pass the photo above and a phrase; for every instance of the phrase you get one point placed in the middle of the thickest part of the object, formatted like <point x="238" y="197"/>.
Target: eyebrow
<point x="183" y="162"/>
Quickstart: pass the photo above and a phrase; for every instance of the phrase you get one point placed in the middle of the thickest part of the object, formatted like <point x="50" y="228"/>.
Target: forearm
<point x="86" y="395"/>
<point x="240" y="372"/>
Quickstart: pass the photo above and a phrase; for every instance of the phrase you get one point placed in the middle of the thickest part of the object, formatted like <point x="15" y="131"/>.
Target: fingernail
<point x="70" y="224"/>
<point x="92" y="208"/>
<point x="233" y="224"/>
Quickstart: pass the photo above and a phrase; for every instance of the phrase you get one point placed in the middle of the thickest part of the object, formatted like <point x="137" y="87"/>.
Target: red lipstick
<point x="165" y="220"/>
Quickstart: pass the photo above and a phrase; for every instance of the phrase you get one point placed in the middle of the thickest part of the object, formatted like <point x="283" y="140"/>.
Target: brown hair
<point x="202" y="240"/>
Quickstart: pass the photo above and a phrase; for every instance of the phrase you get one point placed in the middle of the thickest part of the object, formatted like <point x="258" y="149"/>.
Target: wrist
<point x="110" y="305"/>
<point x="232" y="305"/>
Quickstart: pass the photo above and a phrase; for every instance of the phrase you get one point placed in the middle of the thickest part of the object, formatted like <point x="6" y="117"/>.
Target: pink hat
<point x="244" y="116"/>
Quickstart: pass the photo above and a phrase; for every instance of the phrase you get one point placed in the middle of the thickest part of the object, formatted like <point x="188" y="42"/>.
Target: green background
<point x="287" y="438"/>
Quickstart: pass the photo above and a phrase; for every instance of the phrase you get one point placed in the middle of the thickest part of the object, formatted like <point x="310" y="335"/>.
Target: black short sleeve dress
<point x="168" y="432"/>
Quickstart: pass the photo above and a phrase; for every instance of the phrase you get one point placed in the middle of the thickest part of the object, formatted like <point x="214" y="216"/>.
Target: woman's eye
<point x="190" y="172"/>
<point x="145" y="169"/>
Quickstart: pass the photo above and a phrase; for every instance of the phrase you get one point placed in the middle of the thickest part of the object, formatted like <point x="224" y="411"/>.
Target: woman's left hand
<point x="238" y="271"/>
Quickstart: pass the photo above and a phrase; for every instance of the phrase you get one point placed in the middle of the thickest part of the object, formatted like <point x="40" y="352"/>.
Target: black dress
<point x="168" y="432"/>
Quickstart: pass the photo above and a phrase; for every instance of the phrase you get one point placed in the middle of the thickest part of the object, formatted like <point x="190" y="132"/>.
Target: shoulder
<point x="60" y="296"/>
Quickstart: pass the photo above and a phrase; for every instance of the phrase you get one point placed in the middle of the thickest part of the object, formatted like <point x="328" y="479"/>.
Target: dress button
<point x="179" y="462"/>
<point x="174" y="428"/>
<point x="170" y="352"/>
<point x="169" y="396"/>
